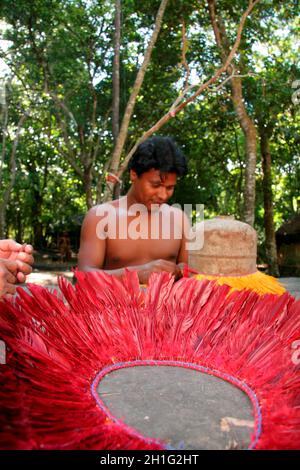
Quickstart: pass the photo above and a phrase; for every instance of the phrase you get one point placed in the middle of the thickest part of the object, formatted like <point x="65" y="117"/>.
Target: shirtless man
<point x="154" y="169"/>
<point x="15" y="264"/>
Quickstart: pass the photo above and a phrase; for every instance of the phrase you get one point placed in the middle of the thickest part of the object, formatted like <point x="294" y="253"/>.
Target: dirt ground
<point x="48" y="278"/>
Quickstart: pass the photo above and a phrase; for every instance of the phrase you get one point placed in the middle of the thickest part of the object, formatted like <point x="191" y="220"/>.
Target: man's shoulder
<point x="99" y="209"/>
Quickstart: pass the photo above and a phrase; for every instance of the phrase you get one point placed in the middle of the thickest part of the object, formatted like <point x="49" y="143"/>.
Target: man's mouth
<point x="158" y="203"/>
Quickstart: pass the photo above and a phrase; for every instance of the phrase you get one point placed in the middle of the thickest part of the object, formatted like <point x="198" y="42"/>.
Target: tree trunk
<point x="12" y="177"/>
<point x="38" y="239"/>
<point x="116" y="156"/>
<point x="116" y="72"/>
<point x="271" y="250"/>
<point x="3" y="154"/>
<point x="116" y="85"/>
<point x="19" y="220"/>
<point x="87" y="183"/>
<point x="245" y="121"/>
<point x="2" y="221"/>
<point x="249" y="131"/>
<point x="239" y="184"/>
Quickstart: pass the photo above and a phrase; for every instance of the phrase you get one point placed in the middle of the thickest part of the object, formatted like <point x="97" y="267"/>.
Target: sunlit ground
<point x="48" y="278"/>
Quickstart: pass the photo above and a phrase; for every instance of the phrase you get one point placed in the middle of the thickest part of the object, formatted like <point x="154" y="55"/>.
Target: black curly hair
<point x="159" y="153"/>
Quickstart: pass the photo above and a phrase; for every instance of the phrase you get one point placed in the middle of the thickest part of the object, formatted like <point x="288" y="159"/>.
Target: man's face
<point x="153" y="187"/>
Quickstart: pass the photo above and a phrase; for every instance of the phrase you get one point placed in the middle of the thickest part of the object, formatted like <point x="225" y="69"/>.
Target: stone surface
<point x="292" y="284"/>
<point x="183" y="407"/>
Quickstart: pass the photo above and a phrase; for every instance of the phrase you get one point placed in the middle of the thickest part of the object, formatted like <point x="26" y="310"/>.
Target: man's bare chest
<point x="138" y="240"/>
<point x="136" y="252"/>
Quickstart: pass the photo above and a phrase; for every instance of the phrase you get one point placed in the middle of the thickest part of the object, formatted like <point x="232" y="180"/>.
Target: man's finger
<point x="11" y="266"/>
<point x="25" y="257"/>
<point x="181" y="267"/>
<point x="178" y="274"/>
<point x="28" y="248"/>
<point x="21" y="277"/>
<point x="10" y="245"/>
<point x="24" y="267"/>
<point x="11" y="278"/>
<point x="7" y="276"/>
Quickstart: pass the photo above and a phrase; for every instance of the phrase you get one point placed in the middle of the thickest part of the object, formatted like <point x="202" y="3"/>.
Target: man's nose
<point x="163" y="194"/>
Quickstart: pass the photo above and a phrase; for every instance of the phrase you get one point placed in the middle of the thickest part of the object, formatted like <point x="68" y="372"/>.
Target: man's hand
<point x="13" y="251"/>
<point x="158" y="266"/>
<point x="8" y="277"/>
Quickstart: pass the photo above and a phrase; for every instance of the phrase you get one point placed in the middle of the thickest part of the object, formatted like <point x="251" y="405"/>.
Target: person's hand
<point x="158" y="266"/>
<point x="181" y="267"/>
<point x="13" y="251"/>
<point x="8" y="277"/>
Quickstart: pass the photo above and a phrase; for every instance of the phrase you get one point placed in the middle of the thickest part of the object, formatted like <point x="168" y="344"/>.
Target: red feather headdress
<point x="59" y="347"/>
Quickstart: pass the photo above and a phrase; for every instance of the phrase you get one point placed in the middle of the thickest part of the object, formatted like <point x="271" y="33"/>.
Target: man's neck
<point x="131" y="198"/>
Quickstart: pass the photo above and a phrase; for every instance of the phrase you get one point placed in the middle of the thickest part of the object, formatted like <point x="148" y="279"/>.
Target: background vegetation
<point x="57" y="101"/>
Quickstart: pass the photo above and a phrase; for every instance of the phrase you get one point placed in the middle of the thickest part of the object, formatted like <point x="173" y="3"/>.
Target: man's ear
<point x="133" y="176"/>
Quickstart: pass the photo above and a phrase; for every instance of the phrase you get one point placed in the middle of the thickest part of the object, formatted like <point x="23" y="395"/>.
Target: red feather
<point x="58" y="343"/>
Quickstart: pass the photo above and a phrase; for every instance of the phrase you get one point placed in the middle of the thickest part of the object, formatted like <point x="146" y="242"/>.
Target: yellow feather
<point x="258" y="282"/>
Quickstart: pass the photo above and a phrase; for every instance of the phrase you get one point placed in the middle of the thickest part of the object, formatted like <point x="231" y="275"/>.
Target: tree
<point x="56" y="54"/>
<point x="10" y="141"/>
<point x="244" y="119"/>
<point x="62" y="57"/>
<point x="270" y="97"/>
<point x="120" y="141"/>
<point x="184" y="99"/>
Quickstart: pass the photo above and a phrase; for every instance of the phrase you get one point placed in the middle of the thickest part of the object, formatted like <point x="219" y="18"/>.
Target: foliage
<point x="60" y="58"/>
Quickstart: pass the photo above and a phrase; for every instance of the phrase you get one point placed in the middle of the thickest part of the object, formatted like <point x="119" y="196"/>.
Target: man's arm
<point x="92" y="248"/>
